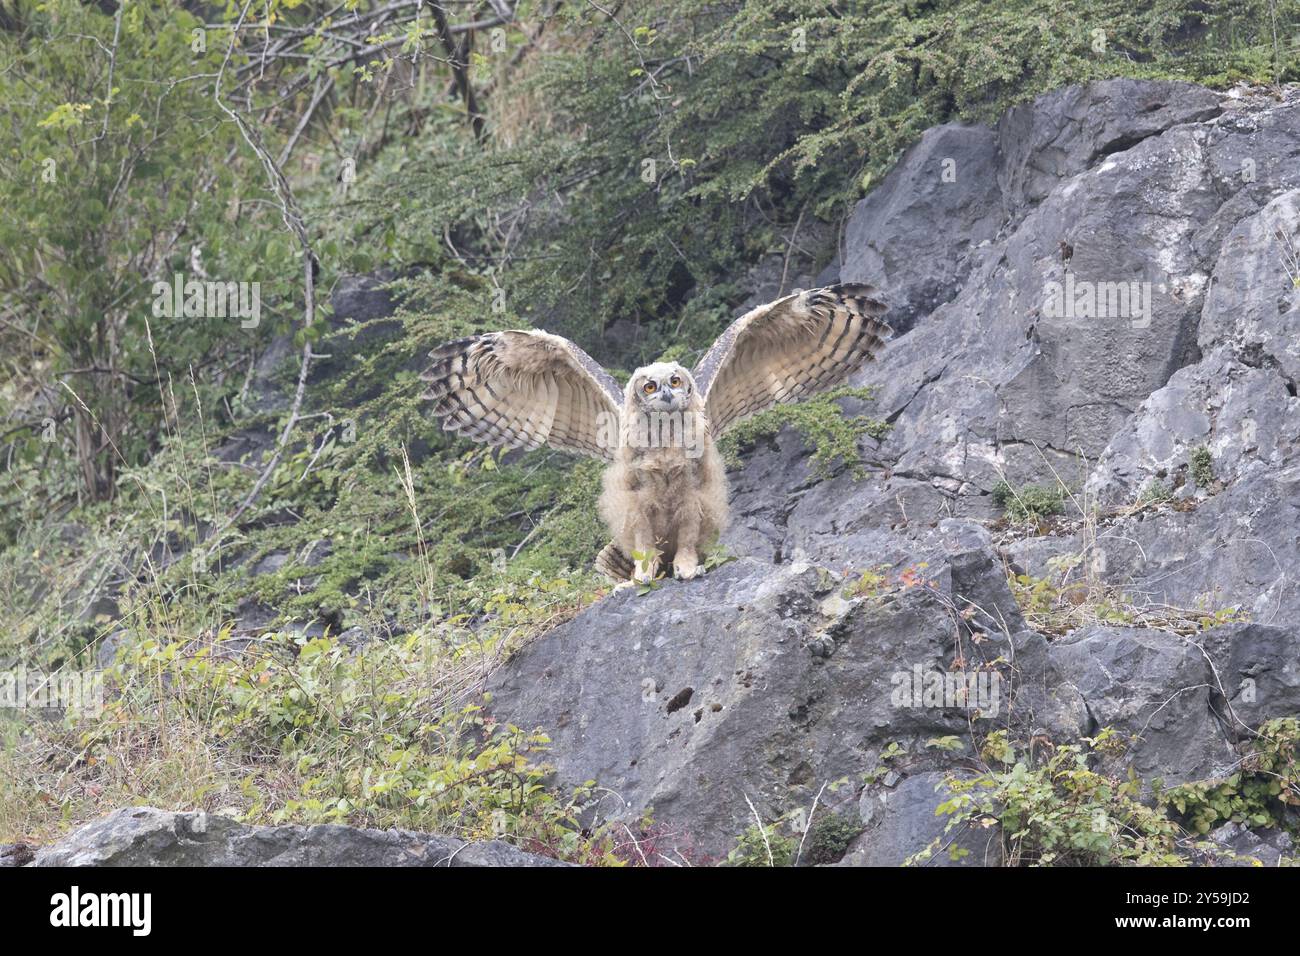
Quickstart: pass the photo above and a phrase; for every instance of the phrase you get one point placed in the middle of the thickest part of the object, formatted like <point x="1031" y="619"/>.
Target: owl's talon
<point x="686" y="569"/>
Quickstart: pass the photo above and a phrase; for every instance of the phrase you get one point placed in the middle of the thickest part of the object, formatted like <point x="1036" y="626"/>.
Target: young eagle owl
<point x="665" y="490"/>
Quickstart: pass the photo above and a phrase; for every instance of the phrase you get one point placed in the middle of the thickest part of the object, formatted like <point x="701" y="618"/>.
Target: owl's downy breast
<point x="660" y="467"/>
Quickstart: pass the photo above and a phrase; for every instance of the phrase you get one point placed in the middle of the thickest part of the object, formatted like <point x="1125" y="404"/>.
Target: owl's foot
<point x="686" y="567"/>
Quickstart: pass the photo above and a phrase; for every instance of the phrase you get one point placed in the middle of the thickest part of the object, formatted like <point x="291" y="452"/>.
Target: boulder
<point x="144" y="836"/>
<point x="754" y="685"/>
<point x="1155" y="689"/>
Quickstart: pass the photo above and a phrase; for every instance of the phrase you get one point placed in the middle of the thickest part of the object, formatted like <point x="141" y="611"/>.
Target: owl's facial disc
<point x="663" y="387"/>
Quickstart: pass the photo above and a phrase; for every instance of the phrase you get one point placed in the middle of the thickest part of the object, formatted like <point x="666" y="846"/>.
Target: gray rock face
<point x="1155" y="688"/>
<point x="906" y="823"/>
<point x="1258" y="673"/>
<point x="1191" y="194"/>
<point x="1088" y="294"/>
<point x="950" y="177"/>
<point x="144" y="836"/>
<point x="757" y="685"/>
<point x="1111" y="184"/>
<point x="1066" y="132"/>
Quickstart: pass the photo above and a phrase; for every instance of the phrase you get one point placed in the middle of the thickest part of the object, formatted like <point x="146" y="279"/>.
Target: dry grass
<point x="1076" y="591"/>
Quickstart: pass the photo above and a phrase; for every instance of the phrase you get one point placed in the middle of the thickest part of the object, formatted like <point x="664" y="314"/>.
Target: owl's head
<point x="661" y="387"/>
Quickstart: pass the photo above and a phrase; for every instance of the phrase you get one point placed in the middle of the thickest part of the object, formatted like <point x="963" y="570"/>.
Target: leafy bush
<point x="298" y="729"/>
<point x="768" y="846"/>
<point x="1060" y="812"/>
<point x="1264" y="792"/>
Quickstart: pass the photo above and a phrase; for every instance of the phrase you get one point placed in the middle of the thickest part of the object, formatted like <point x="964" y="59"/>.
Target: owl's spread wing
<point x="789" y="349"/>
<point x="522" y="389"/>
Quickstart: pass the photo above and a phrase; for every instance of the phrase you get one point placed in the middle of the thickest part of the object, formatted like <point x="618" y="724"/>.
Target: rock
<point x="905" y="822"/>
<point x="270" y="563"/>
<point x="949" y="176"/>
<point x="266" y="393"/>
<point x="1160" y="183"/>
<point x="751" y="684"/>
<point x="1065" y="132"/>
<point x="1233" y="550"/>
<point x="1154" y="688"/>
<point x="1046" y="704"/>
<point x="1241" y="847"/>
<point x="16" y="854"/>
<point x="1257" y="667"/>
<point x="107" y="648"/>
<point x="144" y="836"/>
<point x="1001" y="379"/>
<point x="1156" y="446"/>
<point x="1254" y="306"/>
<point x="1239" y="401"/>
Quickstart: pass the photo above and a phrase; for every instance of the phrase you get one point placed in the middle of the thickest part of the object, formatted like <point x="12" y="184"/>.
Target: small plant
<point x="881" y="770"/>
<point x="763" y="847"/>
<point x="1030" y="502"/>
<point x="1154" y="492"/>
<point x="832" y="434"/>
<point x="645" y="563"/>
<point x="871" y="583"/>
<point x="875" y="583"/>
<point x="828" y="838"/>
<point x="1202" y="465"/>
<point x="717" y="556"/>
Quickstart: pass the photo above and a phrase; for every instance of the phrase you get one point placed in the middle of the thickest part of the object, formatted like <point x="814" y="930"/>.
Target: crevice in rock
<point x="1127" y="141"/>
<point x="680" y="699"/>
<point x="1040" y="445"/>
<point x="925" y="383"/>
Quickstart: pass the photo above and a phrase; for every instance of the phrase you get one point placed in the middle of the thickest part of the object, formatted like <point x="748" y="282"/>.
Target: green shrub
<point x="1202" y="466"/>
<point x="821" y="421"/>
<point x="1059" y="812"/>
<point x="1264" y="792"/>
<point x="1030" y="502"/>
<point x="766" y="847"/>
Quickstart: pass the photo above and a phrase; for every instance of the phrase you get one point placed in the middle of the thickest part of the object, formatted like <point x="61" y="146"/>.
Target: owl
<point x="664" y="495"/>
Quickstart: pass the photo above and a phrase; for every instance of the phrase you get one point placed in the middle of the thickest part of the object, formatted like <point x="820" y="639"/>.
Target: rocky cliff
<point x="1096" y="304"/>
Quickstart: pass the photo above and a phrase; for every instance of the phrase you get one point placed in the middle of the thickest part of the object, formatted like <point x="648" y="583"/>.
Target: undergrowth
<point x="1056" y="807"/>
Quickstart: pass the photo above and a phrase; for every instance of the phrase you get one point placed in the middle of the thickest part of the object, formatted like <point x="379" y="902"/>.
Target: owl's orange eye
<point x="675" y="381"/>
<point x="649" y="387"/>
